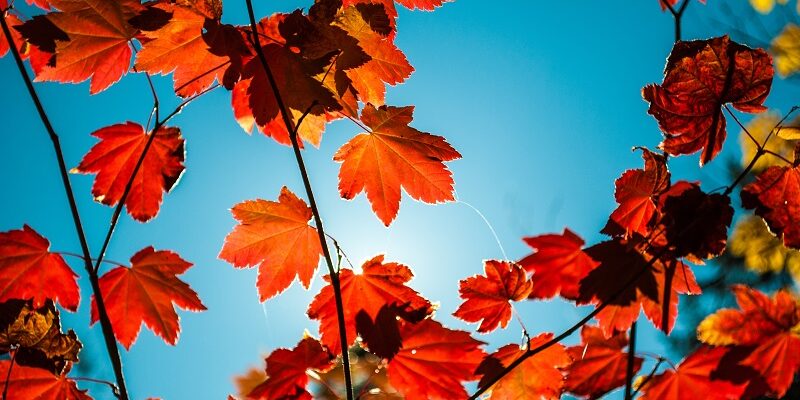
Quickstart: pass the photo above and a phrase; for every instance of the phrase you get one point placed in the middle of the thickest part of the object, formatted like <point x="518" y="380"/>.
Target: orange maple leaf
<point x="540" y="376"/>
<point x="183" y="46"/>
<point x="392" y="156"/>
<point x="91" y="39"/>
<point x="771" y="326"/>
<point x="277" y="237"/>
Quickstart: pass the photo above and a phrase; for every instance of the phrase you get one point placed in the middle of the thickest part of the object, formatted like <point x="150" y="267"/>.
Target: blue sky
<point x="541" y="98"/>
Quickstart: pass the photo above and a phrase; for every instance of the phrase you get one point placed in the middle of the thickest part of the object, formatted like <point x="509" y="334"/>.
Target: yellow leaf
<point x="759" y="127"/>
<point x="786" y="50"/>
<point x="789" y="132"/>
<point x="765" y="6"/>
<point x="761" y="250"/>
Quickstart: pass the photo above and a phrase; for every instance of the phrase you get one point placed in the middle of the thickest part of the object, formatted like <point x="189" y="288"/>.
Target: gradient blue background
<point x="541" y="98"/>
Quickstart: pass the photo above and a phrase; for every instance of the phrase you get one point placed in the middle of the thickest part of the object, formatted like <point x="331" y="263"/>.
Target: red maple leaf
<point x="637" y="192"/>
<point x="28" y="270"/>
<point x="91" y="40"/>
<point x="286" y="371"/>
<point x="775" y="196"/>
<point x="487" y="297"/>
<point x="379" y="286"/>
<point x="540" y="376"/>
<point x="599" y="364"/>
<point x="701" y="76"/>
<point x="709" y="371"/>
<point x="29" y="383"/>
<point x="114" y="158"/>
<point x="654" y="283"/>
<point x="392" y="156"/>
<point x="434" y="361"/>
<point x="145" y="292"/>
<point x="558" y="264"/>
<point x="277" y="237"/>
<point x="771" y="326"/>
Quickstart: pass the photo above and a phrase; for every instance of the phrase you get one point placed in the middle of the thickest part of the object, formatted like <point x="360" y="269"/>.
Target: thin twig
<point x="631" y="362"/>
<point x="774" y="154"/>
<point x="649" y="376"/>
<point x="114" y="388"/>
<point x="105" y="323"/>
<point x="10" y="367"/>
<point x="340" y="250"/>
<point x="334" y="276"/>
<point x="563" y="335"/>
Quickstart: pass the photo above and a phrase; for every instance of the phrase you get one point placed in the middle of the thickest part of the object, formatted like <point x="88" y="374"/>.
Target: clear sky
<point x="541" y="98"/>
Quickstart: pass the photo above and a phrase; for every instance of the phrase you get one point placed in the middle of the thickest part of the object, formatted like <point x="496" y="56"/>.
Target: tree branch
<point x="287" y="120"/>
<point x="108" y="334"/>
<point x="563" y="335"/>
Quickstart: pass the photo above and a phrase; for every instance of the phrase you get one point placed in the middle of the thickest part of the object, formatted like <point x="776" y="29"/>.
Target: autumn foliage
<point x="289" y="75"/>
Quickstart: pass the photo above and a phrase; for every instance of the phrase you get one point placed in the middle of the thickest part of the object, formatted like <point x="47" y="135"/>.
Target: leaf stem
<point x="105" y="323"/>
<point x="76" y="255"/>
<point x="649" y="376"/>
<point x="111" y="385"/>
<point x="334" y="276"/>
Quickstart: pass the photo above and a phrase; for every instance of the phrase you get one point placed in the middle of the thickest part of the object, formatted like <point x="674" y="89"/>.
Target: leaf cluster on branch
<point x="289" y="75"/>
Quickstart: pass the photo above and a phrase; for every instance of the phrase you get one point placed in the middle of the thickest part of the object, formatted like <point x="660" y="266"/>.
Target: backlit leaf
<point x="379" y="286"/>
<point x="558" y="264"/>
<point x="775" y="196"/>
<point x="487" y="298"/>
<point x="392" y="156"/>
<point x="286" y="371"/>
<point x="29" y="383"/>
<point x="771" y="326"/>
<point x="540" y="376"/>
<point x="599" y="365"/>
<point x="28" y="270"/>
<point x="700" y="77"/>
<point x="145" y="293"/>
<point x="274" y="235"/>
<point x="114" y="158"/>
<point x="434" y="361"/>
<point x="91" y="41"/>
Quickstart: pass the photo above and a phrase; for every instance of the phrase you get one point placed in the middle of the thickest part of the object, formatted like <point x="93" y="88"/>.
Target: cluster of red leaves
<point x="335" y="62"/>
<point x="656" y="226"/>
<point x="325" y="63"/>
<point x="33" y="279"/>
